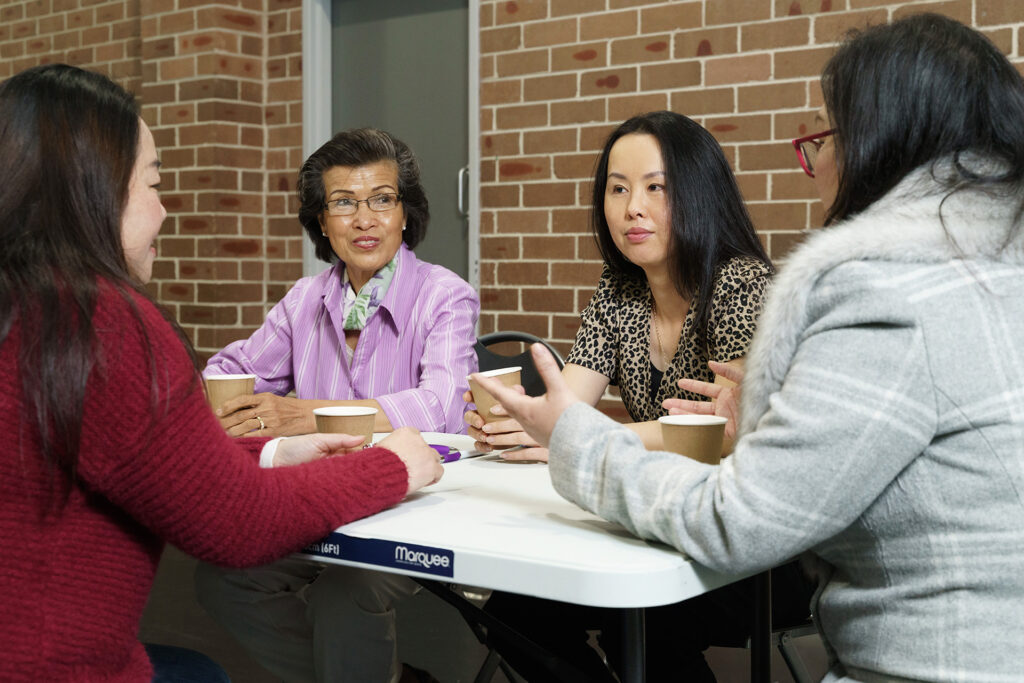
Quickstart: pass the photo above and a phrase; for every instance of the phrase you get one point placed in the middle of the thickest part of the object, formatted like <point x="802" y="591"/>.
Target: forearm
<point x="649" y="433"/>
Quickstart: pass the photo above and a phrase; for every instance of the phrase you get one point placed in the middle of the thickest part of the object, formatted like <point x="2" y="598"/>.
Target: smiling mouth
<point x="366" y="242"/>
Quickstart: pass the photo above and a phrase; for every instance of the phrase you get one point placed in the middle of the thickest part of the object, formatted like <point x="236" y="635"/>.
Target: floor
<point x="431" y="635"/>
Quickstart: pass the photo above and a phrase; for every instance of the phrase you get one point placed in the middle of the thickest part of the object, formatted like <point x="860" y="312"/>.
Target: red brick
<point x="532" y="323"/>
<point x="550" y="141"/>
<point x="549" y="33"/>
<point x="531" y="221"/>
<point x="566" y="7"/>
<point x="793" y="185"/>
<point x="523" y="116"/>
<point x="521" y="62"/>
<point x="703" y="101"/>
<point x="735" y="12"/>
<point x="575" y="273"/>
<point x="609" y="25"/>
<point x="740" y="69"/>
<point x="798" y="63"/>
<point x="549" y="194"/>
<point x="570" y="220"/>
<point x="646" y="49"/>
<point x="499" y="298"/>
<point x="582" y="56"/>
<point x="771" y="96"/>
<point x="832" y="28"/>
<point x="594" y="137"/>
<point x="558" y="87"/>
<point x="778" y="215"/>
<point x="740" y="128"/>
<point x="671" y="76"/>
<point x="548" y="299"/>
<point x="501" y="39"/>
<point x="500" y="248"/>
<point x="781" y="243"/>
<point x="706" y="42"/>
<point x="753" y="186"/>
<point x="1002" y="38"/>
<point x="575" y="165"/>
<point x="678" y="16"/>
<point x="522" y="273"/>
<point x="622" y="108"/>
<point x="610" y="81"/>
<point x="549" y="247"/>
<point x="990" y="12"/>
<point x="499" y="144"/>
<point x="769" y="156"/>
<point x="511" y="11"/>
<point x="776" y="34"/>
<point x="524" y="168"/>
<point x="494" y="196"/>
<point x="579" y="111"/>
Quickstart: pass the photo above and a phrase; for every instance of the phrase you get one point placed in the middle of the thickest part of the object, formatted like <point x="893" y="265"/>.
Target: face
<point x="366" y="240"/>
<point x="143" y="214"/>
<point x="636" y="203"/>
<point x="825" y="178"/>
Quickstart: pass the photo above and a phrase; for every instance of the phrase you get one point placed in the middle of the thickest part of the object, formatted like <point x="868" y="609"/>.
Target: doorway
<point x="403" y="66"/>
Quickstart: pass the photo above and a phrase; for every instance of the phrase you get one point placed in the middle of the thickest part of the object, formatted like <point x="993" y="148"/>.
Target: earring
<point x="403" y="228"/>
<point x="323" y="234"/>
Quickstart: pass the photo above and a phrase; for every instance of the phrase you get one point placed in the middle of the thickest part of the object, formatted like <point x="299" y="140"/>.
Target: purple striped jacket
<point x="413" y="356"/>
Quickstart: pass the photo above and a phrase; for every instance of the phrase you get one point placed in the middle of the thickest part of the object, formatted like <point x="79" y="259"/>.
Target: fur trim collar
<point x="903" y="226"/>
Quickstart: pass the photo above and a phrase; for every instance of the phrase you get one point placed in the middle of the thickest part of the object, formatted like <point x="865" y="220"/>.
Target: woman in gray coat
<point x="881" y="427"/>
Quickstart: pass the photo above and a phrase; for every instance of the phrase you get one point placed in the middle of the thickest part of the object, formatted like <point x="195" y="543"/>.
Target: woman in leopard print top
<point x="671" y="226"/>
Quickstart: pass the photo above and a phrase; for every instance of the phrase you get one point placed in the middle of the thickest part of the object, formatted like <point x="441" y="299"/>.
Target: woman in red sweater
<point x="110" y="449"/>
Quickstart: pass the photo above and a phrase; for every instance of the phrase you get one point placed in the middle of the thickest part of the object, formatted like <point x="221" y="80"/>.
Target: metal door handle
<point x="462" y="178"/>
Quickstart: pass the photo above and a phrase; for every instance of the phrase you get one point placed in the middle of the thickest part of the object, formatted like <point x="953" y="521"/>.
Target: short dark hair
<point x="915" y="91"/>
<point x="710" y="223"/>
<point x="358" y="147"/>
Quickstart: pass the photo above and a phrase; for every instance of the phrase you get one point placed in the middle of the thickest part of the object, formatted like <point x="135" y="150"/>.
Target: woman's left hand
<point x="266" y="415"/>
<point x="539" y="415"/>
<point x="724" y="397"/>
<point x="310" y="447"/>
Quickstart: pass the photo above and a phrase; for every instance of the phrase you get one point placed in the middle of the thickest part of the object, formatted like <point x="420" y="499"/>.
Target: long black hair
<point x="915" y="91"/>
<point x="69" y="140"/>
<point x="358" y="147"/>
<point x="710" y="223"/>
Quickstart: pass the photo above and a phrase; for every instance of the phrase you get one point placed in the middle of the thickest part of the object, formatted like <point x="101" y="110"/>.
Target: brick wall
<point x="221" y="89"/>
<point x="220" y="85"/>
<point x="558" y="75"/>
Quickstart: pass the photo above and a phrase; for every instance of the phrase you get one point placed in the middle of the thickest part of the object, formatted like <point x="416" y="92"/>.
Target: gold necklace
<point x="657" y="328"/>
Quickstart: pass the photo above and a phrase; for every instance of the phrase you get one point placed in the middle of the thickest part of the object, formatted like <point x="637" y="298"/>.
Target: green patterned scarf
<point x="359" y="307"/>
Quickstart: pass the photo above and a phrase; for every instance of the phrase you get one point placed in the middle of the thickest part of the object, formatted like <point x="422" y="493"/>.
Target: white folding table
<point x="500" y="525"/>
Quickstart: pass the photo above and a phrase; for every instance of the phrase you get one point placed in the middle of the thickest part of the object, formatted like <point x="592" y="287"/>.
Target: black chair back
<point x="489" y="360"/>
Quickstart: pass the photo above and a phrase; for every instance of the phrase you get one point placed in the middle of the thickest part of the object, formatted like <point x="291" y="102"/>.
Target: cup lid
<point x="209" y="377"/>
<point x="344" y="411"/>
<point x="500" y="371"/>
<point x="692" y="419"/>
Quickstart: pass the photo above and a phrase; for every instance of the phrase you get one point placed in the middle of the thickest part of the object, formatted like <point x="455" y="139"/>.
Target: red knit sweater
<point x="74" y="579"/>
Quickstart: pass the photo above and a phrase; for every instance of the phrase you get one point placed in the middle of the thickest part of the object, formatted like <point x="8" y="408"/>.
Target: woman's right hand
<point x="422" y="461"/>
<point x="495" y="435"/>
<point x="724" y="401"/>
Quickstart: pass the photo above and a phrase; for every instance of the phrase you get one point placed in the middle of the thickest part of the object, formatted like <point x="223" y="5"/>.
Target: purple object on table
<point x="447" y="454"/>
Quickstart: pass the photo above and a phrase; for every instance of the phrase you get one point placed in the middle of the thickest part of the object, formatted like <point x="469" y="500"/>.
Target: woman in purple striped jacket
<point x="380" y="328"/>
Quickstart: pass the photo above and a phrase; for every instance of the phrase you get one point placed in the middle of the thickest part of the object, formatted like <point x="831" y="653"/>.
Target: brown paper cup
<point x="220" y="388"/>
<point x="346" y="420"/>
<point x="695" y="436"/>
<point x="483" y="400"/>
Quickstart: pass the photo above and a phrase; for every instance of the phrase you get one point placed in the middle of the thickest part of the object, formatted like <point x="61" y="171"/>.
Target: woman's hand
<point x="310" y="447"/>
<point x="500" y="434"/>
<point x="266" y="415"/>
<point x="724" y="397"/>
<point x="422" y="461"/>
<point x="537" y="416"/>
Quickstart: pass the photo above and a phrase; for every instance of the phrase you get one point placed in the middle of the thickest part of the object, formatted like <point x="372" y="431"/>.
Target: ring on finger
<point x="262" y="424"/>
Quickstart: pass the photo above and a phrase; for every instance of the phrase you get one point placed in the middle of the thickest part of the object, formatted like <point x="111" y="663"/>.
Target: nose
<point x="364" y="217"/>
<point x="635" y="208"/>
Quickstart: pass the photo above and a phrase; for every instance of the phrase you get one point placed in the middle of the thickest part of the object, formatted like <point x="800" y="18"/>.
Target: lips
<point x="366" y="243"/>
<point x="637" y="235"/>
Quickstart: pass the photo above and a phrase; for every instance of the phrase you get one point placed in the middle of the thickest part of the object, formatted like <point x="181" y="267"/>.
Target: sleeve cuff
<point x="268" y="452"/>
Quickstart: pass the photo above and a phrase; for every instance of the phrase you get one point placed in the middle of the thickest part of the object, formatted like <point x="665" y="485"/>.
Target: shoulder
<point x="435" y="280"/>
<point x="740" y="271"/>
<point x="614" y="287"/>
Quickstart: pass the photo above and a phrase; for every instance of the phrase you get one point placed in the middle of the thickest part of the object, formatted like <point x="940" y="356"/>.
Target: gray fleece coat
<point x="882" y="433"/>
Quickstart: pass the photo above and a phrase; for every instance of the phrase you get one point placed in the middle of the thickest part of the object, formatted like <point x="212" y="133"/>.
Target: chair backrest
<point x="490" y="360"/>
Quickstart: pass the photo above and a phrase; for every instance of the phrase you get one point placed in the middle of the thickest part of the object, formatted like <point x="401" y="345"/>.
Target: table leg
<point x="633" y="648"/>
<point x="761" y="630"/>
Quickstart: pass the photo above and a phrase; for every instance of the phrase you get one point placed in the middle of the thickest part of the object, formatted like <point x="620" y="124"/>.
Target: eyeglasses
<point x="807" y="149"/>
<point x="346" y="206"/>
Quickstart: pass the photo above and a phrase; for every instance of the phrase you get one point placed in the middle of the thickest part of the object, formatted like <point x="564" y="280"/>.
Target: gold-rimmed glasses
<point x="347" y="206"/>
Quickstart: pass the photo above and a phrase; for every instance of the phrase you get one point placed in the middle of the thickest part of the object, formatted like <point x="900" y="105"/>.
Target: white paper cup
<point x="510" y="377"/>
<point x="346" y="420"/>
<point x="220" y="388"/>
<point x="695" y="436"/>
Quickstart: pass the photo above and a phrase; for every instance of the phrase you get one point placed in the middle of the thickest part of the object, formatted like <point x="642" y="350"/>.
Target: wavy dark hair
<point x="69" y="138"/>
<point x="915" y="91"/>
<point x="710" y="223"/>
<point x="358" y="147"/>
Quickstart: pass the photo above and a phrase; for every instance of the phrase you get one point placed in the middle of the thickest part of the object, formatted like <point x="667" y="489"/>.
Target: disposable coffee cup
<point x="695" y="436"/>
<point x="346" y="420"/>
<point x="482" y="398"/>
<point x="220" y="388"/>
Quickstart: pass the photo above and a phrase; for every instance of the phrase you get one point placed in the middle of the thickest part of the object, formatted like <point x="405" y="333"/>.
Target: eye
<point x="655" y="187"/>
<point x="342" y="203"/>
<point x="616" y="189"/>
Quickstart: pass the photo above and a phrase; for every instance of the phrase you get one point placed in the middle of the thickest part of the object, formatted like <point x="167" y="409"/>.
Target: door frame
<point x="316" y="115"/>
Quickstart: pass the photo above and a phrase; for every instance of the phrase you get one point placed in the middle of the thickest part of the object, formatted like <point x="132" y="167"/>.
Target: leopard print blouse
<point x="614" y="338"/>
